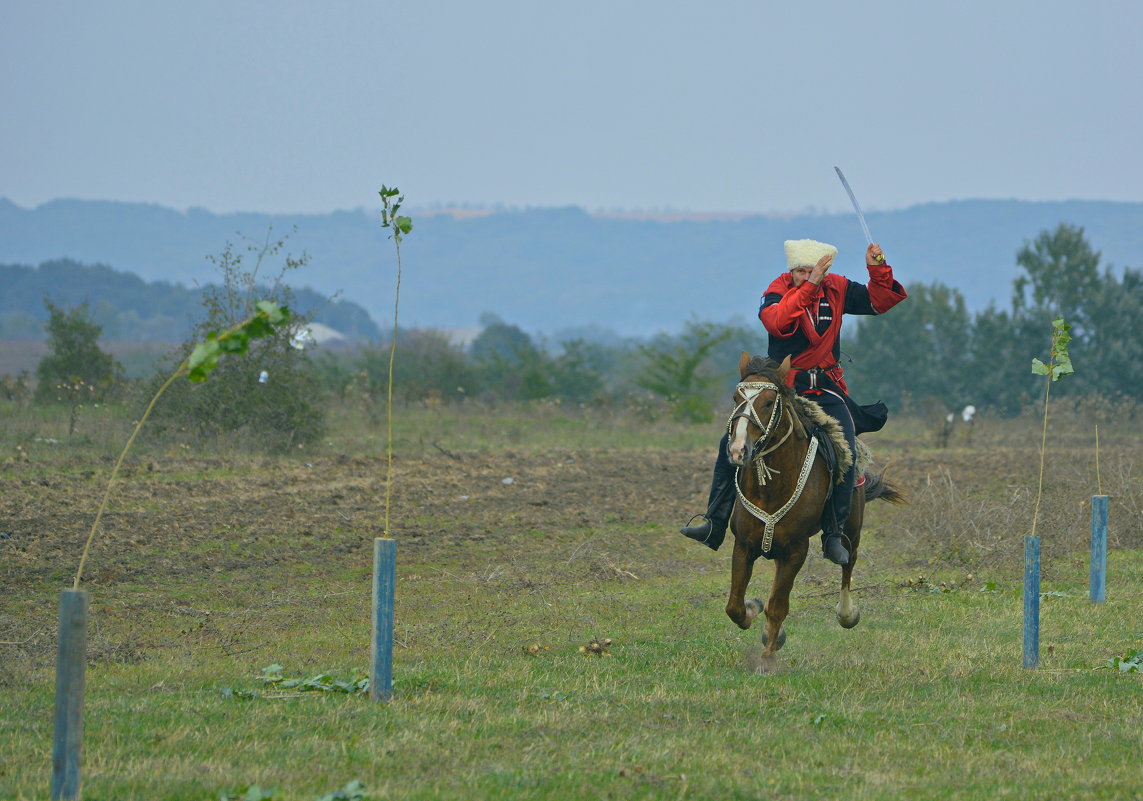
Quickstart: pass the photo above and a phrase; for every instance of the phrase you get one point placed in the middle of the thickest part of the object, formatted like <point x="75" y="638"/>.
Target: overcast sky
<point x="727" y="105"/>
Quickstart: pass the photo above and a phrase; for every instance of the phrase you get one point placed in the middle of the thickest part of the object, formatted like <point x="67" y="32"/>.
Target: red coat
<point x="787" y="310"/>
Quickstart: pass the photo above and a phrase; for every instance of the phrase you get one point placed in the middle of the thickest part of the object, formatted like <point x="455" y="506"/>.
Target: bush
<point x="427" y="367"/>
<point x="270" y="392"/>
<point x="75" y="367"/>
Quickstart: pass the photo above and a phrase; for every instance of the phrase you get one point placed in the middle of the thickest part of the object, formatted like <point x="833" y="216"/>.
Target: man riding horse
<point x="802" y="311"/>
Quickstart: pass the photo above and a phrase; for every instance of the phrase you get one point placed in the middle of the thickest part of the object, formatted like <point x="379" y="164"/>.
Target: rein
<point x="746" y="409"/>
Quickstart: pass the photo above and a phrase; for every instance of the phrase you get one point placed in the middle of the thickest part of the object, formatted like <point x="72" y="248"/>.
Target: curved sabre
<point x="857" y="208"/>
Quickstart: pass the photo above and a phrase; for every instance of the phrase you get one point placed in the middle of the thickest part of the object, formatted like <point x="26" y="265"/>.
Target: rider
<point x="802" y="311"/>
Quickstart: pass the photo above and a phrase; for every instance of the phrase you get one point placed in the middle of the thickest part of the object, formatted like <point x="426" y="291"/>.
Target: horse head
<point x="762" y="402"/>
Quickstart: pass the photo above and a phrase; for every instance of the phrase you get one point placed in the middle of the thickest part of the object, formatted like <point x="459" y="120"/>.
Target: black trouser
<point x="842" y="497"/>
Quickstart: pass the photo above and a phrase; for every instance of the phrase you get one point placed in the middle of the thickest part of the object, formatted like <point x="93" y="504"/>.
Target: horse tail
<point x="877" y="486"/>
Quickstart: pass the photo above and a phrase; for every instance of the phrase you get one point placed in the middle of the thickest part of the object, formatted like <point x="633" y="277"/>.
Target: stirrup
<point x="707" y="520"/>
<point x="711" y="533"/>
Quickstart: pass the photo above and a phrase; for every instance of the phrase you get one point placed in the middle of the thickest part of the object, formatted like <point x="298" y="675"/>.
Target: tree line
<point x="929" y="350"/>
<point x="932" y="347"/>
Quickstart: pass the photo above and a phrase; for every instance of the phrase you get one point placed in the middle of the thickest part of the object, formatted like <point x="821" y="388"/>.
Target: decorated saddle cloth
<point x="832" y="446"/>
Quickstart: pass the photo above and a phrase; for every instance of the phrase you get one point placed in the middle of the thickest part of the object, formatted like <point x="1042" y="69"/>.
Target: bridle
<point x="749" y="391"/>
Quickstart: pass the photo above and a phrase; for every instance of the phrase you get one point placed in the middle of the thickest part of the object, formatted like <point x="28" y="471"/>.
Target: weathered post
<point x="1031" y="602"/>
<point x="1098" y="589"/>
<point x="384" y="583"/>
<point x="71" y="659"/>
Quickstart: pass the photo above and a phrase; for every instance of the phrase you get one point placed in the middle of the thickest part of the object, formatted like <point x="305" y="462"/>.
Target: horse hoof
<point x="781" y="638"/>
<point x="754" y="608"/>
<point x="761" y="665"/>
<point x="850" y="621"/>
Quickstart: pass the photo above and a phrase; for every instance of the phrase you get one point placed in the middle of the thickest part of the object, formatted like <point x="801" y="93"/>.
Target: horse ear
<point x="784" y="368"/>
<point x="743" y="361"/>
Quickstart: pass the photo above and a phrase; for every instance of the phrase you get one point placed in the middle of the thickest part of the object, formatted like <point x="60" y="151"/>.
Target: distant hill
<point x="550" y="270"/>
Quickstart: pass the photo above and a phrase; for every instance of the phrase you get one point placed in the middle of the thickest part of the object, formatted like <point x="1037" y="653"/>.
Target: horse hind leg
<point x="848" y="615"/>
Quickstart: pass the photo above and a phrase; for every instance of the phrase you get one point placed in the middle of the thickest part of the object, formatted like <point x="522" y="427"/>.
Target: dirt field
<point x="186" y="517"/>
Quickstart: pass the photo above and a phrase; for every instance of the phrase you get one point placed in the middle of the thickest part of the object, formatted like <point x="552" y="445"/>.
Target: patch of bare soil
<point x="185" y="517"/>
<point x="188" y="516"/>
<point x="616" y="512"/>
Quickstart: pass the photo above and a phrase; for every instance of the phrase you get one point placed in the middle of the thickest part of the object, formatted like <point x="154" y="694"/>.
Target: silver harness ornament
<point x="749" y="390"/>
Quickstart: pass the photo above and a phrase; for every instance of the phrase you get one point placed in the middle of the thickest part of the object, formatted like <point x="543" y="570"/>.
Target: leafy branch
<point x="391" y="200"/>
<point x="202" y="361"/>
<point x="1059" y="365"/>
<point x="1131" y="662"/>
<point x="1059" y="362"/>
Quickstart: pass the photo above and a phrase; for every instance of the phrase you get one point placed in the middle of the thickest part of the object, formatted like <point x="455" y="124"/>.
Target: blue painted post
<point x="1031" y="602"/>
<point x="1098" y="591"/>
<point x="71" y="659"/>
<point x="384" y="583"/>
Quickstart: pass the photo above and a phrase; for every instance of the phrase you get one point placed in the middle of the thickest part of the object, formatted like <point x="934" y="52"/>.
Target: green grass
<point x="925" y="699"/>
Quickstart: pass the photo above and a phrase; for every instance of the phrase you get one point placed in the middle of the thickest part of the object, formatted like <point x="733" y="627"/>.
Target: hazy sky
<point x="727" y="105"/>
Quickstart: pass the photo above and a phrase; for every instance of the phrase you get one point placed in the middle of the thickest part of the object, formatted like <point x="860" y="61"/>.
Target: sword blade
<point x="856" y="207"/>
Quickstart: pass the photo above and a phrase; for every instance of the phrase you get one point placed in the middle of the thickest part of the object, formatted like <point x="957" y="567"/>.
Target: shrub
<point x="271" y="391"/>
<point x="75" y="367"/>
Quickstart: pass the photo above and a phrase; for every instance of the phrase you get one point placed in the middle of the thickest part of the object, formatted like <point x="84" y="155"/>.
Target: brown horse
<point x="783" y="486"/>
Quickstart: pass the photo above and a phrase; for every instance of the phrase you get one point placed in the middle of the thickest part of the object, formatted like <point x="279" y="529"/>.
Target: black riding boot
<point x="711" y="531"/>
<point x="835" y="545"/>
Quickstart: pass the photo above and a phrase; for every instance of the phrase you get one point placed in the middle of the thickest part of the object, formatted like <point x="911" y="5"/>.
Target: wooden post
<point x="1098" y="588"/>
<point x="1031" y="602"/>
<point x="384" y="583"/>
<point x="71" y="659"/>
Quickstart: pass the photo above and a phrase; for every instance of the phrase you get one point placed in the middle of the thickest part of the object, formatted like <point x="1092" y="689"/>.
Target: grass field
<point x="213" y="566"/>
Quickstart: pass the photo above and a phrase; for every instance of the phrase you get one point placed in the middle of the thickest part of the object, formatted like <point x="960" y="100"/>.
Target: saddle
<point x="831" y="439"/>
<point x="832" y="446"/>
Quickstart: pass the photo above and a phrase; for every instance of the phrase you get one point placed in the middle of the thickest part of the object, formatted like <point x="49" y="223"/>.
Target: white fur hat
<point x="806" y="252"/>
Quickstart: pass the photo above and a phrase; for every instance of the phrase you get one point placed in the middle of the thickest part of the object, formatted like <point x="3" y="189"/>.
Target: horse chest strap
<point x="771" y="520"/>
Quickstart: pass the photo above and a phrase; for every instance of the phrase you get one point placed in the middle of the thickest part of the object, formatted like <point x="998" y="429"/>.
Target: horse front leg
<point x="778" y="604"/>
<point x="741" y="569"/>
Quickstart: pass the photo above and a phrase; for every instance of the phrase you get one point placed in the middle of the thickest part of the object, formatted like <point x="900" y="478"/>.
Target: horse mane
<point x="768" y="368"/>
<point x="762" y="365"/>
